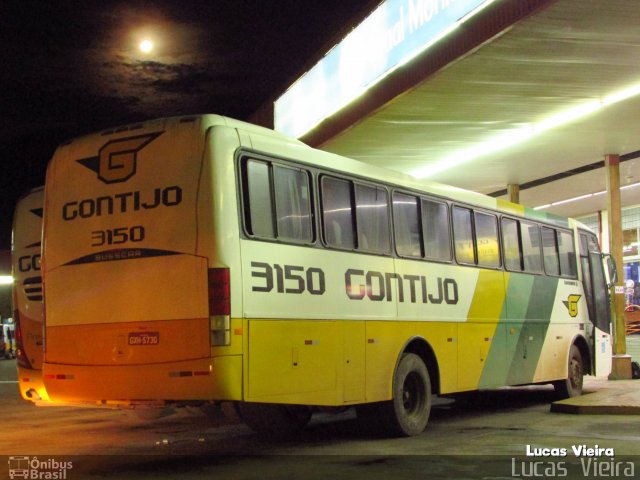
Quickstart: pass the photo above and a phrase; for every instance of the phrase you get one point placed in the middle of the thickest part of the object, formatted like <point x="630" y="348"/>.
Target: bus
<point x="203" y="259"/>
<point x="27" y="294"/>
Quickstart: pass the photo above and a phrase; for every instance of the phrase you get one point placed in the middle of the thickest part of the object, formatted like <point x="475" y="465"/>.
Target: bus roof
<point x="339" y="163"/>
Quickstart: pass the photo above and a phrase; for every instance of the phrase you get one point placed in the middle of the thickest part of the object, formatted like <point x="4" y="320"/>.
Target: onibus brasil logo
<point x="38" y="469"/>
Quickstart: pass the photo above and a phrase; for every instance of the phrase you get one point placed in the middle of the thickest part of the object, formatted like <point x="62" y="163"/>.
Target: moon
<point x="146" y="46"/>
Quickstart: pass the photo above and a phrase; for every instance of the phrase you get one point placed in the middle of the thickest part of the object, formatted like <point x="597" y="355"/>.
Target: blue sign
<point x="392" y="35"/>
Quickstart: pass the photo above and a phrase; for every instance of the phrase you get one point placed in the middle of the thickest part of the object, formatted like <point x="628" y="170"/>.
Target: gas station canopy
<point x="484" y="93"/>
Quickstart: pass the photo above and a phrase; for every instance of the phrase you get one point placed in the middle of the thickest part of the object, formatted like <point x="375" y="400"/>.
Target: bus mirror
<point x="611" y="271"/>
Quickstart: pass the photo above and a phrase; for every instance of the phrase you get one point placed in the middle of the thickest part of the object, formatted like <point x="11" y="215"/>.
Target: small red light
<point x="219" y="292"/>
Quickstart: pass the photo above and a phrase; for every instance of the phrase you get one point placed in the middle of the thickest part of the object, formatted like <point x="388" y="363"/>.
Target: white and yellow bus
<point x="205" y="259"/>
<point x="27" y="294"/>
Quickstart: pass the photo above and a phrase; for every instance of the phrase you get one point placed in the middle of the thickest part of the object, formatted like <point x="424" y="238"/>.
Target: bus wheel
<point x="408" y="412"/>
<point x="572" y="385"/>
<point x="273" y="420"/>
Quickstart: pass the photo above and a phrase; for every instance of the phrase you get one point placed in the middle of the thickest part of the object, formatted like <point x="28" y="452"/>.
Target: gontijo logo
<point x="572" y="304"/>
<point x="117" y="159"/>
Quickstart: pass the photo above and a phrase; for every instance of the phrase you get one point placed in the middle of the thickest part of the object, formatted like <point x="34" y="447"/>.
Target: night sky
<point x="70" y="67"/>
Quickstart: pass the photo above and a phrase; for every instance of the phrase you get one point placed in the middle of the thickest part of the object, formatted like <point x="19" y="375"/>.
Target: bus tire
<point x="572" y="385"/>
<point x="407" y="413"/>
<point x="273" y="420"/>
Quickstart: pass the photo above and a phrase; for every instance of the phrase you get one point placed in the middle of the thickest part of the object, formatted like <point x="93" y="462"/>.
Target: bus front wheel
<point x="572" y="385"/>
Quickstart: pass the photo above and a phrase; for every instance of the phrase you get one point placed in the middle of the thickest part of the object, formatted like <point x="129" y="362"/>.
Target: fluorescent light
<point x="567" y="116"/>
<point x="504" y="140"/>
<point x="494" y="144"/>
<point x="542" y="207"/>
<point x="6" y="280"/>
<point x="574" y="199"/>
<point x="621" y="95"/>
<point x="562" y="202"/>
<point x="581" y="197"/>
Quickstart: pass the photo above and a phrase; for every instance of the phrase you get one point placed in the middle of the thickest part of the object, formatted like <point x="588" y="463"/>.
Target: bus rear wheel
<point x="273" y="420"/>
<point x="572" y="385"/>
<point x="407" y="413"/>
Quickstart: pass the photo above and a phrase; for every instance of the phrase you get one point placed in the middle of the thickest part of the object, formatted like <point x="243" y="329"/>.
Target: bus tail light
<point x="21" y="356"/>
<point x="219" y="306"/>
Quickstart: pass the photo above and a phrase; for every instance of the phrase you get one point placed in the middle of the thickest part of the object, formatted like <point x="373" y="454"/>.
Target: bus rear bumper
<point x="208" y="379"/>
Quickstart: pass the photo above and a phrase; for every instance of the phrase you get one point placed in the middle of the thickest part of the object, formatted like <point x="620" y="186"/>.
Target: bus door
<point x="596" y="293"/>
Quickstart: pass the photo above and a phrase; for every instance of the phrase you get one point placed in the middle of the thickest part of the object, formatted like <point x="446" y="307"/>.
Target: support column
<point x="513" y="190"/>
<point x="621" y="365"/>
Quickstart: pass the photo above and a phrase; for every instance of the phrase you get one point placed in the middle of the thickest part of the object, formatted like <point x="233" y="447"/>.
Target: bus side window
<point x="435" y="230"/>
<point x="337" y="212"/>
<point x="530" y="236"/>
<point x="372" y="219"/>
<point x="567" y="251"/>
<point x="406" y="223"/>
<point x="521" y="246"/>
<point x="260" y="211"/>
<point x="463" y="235"/>
<point x="511" y="245"/>
<point x="550" y="251"/>
<point x="487" y="239"/>
<point x="293" y="206"/>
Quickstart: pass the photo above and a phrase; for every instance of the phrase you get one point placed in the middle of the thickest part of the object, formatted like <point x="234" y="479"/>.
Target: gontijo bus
<point x="27" y="293"/>
<point x="205" y="259"/>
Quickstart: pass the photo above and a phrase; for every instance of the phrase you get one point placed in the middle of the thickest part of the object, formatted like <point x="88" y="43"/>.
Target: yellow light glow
<point x="146" y="46"/>
<point x="6" y="280"/>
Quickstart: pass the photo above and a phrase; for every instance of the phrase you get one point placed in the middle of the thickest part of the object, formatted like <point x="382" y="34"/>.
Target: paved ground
<point x="485" y="435"/>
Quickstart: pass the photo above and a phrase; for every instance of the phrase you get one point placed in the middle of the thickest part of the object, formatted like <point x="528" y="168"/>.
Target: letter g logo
<point x="117" y="159"/>
<point x="572" y="304"/>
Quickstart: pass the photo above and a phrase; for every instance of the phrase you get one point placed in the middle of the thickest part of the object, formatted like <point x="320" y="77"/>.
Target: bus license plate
<point x="144" y="338"/>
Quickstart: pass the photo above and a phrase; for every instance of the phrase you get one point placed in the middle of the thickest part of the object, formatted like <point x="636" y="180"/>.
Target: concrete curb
<point x="620" y="397"/>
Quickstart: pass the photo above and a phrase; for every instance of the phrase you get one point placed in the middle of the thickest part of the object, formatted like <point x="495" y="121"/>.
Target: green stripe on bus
<point x="526" y="350"/>
<point x="496" y="371"/>
<point x="519" y="337"/>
